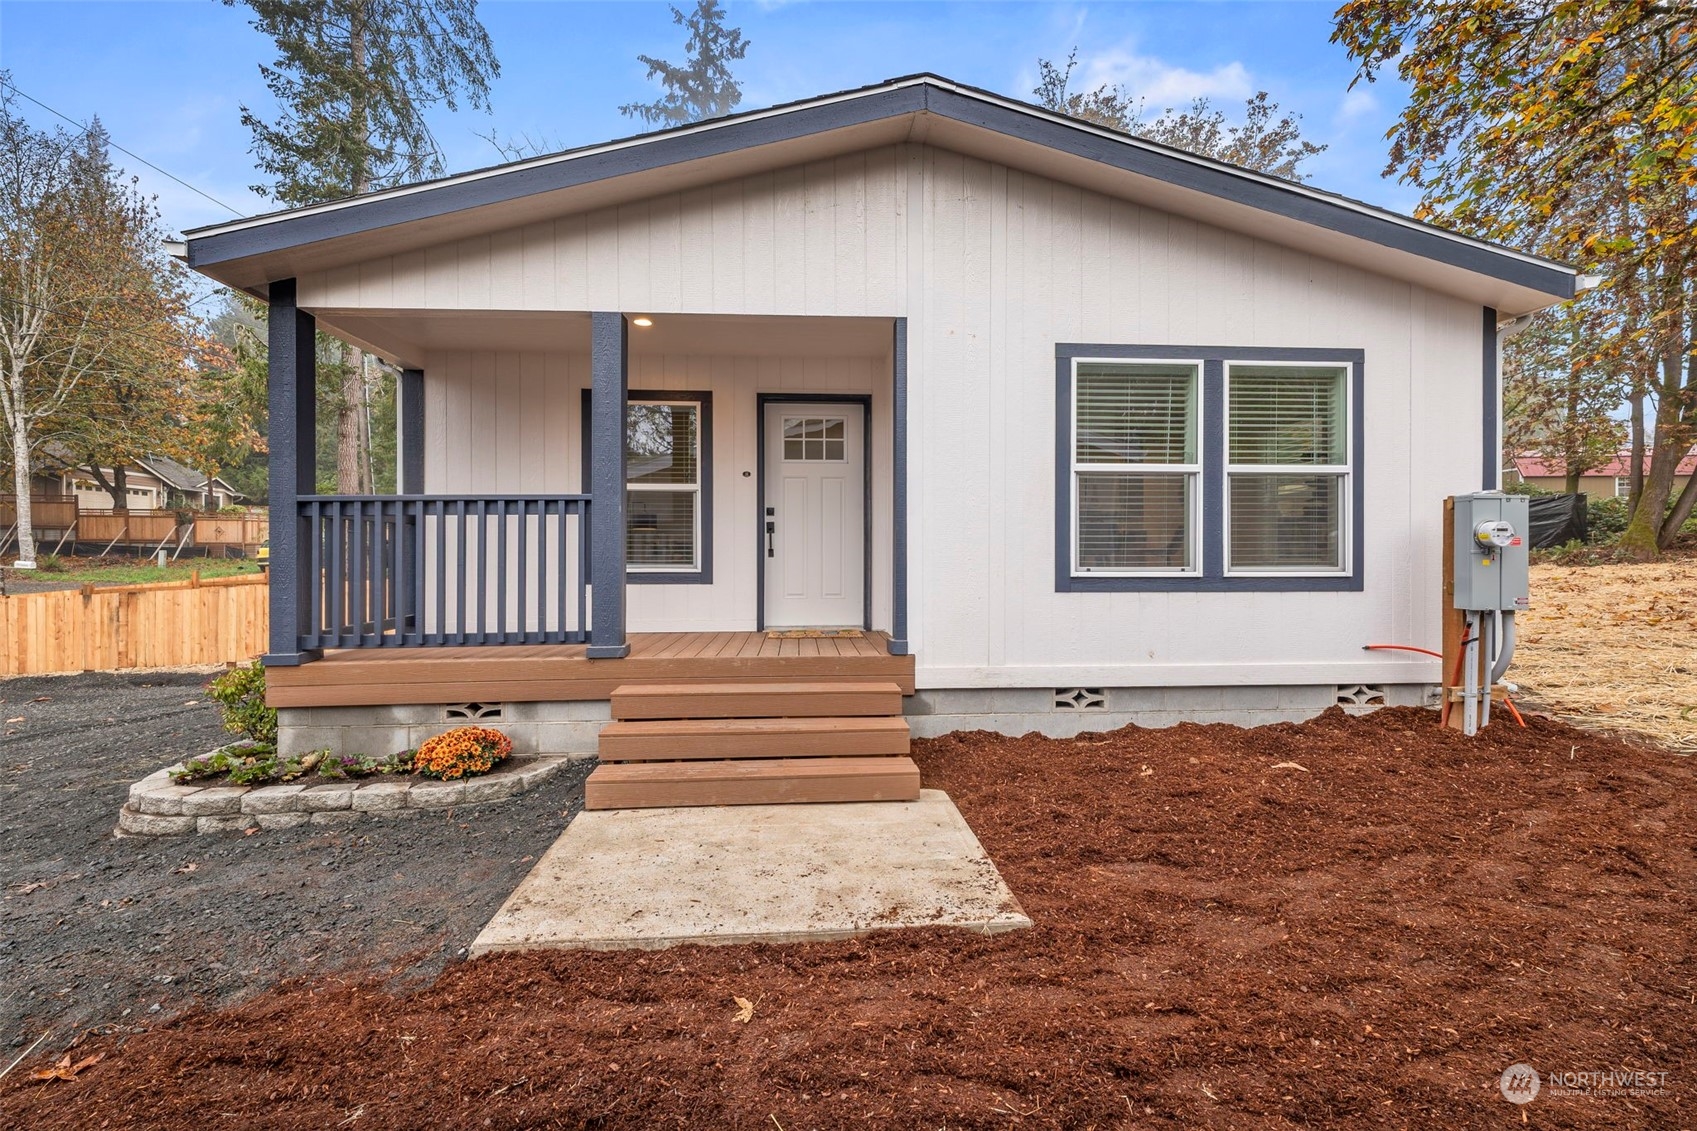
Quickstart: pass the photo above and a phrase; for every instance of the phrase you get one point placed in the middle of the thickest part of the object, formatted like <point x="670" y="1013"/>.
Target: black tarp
<point x="1557" y="520"/>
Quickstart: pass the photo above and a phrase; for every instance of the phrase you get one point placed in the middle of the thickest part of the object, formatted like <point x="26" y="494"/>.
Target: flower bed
<point x="460" y="753"/>
<point x="163" y="804"/>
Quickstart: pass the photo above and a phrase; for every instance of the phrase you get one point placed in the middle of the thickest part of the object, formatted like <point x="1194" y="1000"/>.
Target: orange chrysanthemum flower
<point x="462" y="752"/>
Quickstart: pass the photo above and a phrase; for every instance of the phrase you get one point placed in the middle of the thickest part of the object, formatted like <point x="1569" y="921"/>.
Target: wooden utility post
<point x="1454" y="625"/>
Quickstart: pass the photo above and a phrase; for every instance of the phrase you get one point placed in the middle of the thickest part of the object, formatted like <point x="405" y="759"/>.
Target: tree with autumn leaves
<point x="100" y="353"/>
<point x="1568" y="127"/>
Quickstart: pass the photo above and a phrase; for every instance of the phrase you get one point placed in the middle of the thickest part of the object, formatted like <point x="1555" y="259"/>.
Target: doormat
<point x="811" y="633"/>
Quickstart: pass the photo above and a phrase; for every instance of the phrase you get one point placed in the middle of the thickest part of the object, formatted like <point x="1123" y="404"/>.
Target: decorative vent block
<point x="474" y="713"/>
<point x="1081" y="699"/>
<point x="1361" y="695"/>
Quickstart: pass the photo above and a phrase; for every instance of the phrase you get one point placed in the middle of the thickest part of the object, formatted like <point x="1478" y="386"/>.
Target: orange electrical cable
<point x="1444" y="715"/>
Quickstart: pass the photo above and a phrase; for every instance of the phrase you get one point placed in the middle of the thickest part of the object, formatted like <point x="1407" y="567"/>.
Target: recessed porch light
<point x="642" y="321"/>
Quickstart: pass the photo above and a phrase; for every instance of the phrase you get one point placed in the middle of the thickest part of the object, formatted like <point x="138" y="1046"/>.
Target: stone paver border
<point x="158" y="806"/>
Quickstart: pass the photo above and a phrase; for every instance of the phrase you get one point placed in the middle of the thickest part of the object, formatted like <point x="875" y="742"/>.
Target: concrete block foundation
<point x="571" y="729"/>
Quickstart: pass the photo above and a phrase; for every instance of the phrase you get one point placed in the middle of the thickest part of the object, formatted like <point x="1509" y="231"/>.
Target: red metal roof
<point x="1534" y="466"/>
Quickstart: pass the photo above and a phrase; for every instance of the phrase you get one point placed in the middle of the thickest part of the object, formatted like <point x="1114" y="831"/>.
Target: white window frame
<point x="1345" y="472"/>
<point x="1193" y="517"/>
<point x="675" y="489"/>
<point x="824" y="417"/>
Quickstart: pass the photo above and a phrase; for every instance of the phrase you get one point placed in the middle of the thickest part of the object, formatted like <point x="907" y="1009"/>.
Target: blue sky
<point x="169" y="78"/>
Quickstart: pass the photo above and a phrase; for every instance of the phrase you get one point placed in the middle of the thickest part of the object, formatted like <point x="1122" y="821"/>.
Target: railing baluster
<point x="338" y="574"/>
<point x="416" y="607"/>
<point x="501" y="570"/>
<point x="560" y="628"/>
<point x="382" y="570"/>
<point x="524" y="572"/>
<point x="399" y="575"/>
<point x="582" y="510"/>
<point x="355" y="625"/>
<point x="441" y="634"/>
<point x="315" y="543"/>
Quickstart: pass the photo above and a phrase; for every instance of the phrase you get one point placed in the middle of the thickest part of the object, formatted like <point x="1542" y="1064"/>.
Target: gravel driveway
<point x="99" y="931"/>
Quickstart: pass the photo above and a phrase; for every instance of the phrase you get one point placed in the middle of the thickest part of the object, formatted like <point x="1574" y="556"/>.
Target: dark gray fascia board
<point x="923" y="94"/>
<point x="1270" y="195"/>
<point x="672" y="148"/>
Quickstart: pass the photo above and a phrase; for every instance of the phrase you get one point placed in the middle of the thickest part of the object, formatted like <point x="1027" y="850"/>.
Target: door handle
<point x="771" y="527"/>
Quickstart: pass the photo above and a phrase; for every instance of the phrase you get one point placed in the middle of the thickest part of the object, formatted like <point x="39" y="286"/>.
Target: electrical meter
<point x="1491" y="552"/>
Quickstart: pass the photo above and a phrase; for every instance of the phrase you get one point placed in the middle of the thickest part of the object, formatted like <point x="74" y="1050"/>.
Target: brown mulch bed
<point x="1368" y="940"/>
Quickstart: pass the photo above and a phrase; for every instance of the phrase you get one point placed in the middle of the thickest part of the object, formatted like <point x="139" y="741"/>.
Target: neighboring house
<point x="185" y="488"/>
<point x="1608" y="481"/>
<point x="151" y="483"/>
<point x="1079" y="429"/>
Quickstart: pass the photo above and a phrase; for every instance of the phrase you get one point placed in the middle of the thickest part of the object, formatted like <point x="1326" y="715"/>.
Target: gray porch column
<point x="898" y="491"/>
<point x="610" y="383"/>
<point x="410" y="479"/>
<point x="293" y="387"/>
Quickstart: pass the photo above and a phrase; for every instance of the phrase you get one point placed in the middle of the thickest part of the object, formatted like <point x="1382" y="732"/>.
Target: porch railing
<point x="427" y="570"/>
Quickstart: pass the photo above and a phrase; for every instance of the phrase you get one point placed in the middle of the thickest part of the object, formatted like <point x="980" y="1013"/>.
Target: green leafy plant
<point x="241" y="692"/>
<point x="364" y="765"/>
<point x="49" y="563"/>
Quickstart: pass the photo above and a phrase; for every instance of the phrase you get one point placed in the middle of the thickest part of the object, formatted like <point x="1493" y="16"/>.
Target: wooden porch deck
<point x="554" y="672"/>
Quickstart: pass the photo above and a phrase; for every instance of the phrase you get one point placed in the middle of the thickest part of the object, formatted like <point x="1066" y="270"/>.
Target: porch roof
<point x="921" y="108"/>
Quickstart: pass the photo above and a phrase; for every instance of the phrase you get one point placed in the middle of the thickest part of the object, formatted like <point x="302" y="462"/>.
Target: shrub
<point x="462" y="752"/>
<point x="241" y="691"/>
<point x="1606" y="519"/>
<point x="49" y="563"/>
<point x="364" y="765"/>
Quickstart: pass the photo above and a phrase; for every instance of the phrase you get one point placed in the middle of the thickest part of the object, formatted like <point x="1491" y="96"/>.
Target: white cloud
<point x="1160" y="84"/>
<point x="1358" y="103"/>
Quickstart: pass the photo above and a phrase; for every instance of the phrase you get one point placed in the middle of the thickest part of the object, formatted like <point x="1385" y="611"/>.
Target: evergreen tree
<point x="702" y="87"/>
<point x="354" y="80"/>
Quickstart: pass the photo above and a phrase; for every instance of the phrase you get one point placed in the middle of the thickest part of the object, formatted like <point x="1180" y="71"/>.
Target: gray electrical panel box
<point x="1492" y="540"/>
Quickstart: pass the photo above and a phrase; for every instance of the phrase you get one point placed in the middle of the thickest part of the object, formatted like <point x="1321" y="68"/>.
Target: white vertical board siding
<point x="1010" y="264"/>
<point x="819" y="239"/>
<point x="992" y="266"/>
<point x="513" y="423"/>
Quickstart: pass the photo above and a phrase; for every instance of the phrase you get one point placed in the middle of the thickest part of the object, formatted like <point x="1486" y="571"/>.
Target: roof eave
<point x="219" y="250"/>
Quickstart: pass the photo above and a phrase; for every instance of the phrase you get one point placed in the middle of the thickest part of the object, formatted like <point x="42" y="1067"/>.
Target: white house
<point x="1075" y="428"/>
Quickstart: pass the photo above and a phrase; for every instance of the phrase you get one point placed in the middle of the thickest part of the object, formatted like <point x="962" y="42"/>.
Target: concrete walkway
<point x="652" y="878"/>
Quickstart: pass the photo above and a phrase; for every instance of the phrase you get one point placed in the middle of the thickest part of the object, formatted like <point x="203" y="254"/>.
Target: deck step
<point x="667" y="739"/>
<point x="755" y="700"/>
<point x="648" y="785"/>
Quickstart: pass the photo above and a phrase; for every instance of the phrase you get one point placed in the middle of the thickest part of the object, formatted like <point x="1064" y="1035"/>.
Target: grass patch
<point x="131" y="571"/>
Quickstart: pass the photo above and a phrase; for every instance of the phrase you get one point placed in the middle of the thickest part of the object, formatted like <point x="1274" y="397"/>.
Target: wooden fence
<point x="47" y="512"/>
<point x="134" y="527"/>
<point x="232" y="529"/>
<point x="174" y="624"/>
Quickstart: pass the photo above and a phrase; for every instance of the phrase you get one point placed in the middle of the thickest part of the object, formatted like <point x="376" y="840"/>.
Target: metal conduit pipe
<point x="1505" y="646"/>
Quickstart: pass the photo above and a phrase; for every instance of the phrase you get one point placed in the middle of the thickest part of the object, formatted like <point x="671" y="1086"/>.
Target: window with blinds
<point x="1287" y="467"/>
<point x="662" y="486"/>
<point x="1135" y="466"/>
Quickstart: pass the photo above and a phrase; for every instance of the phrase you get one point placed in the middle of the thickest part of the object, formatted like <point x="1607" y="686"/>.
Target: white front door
<point x="813" y="519"/>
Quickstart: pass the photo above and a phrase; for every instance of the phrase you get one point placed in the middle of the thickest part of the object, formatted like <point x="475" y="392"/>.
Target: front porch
<point x="568" y="483"/>
<point x="538" y="673"/>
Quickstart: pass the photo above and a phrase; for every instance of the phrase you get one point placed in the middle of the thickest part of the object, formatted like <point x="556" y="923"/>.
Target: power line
<point x="121" y="149"/>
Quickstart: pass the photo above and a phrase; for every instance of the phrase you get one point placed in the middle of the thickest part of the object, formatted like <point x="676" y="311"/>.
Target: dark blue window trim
<point x="1213" y="578"/>
<point x="703" y="576"/>
<point x="1491" y="410"/>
